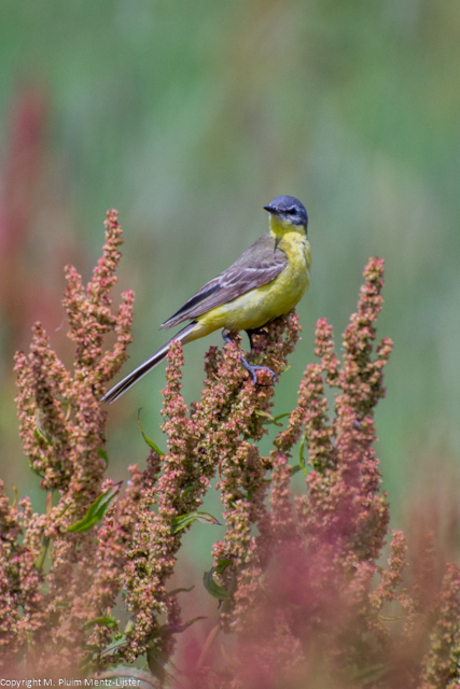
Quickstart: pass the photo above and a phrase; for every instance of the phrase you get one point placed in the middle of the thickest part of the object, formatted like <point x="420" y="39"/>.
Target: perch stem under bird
<point x="266" y="282"/>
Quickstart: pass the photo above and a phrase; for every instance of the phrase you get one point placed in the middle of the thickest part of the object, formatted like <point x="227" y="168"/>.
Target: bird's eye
<point x="291" y="211"/>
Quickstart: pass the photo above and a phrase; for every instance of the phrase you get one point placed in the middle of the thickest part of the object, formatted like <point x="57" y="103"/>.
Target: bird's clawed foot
<point x="252" y="370"/>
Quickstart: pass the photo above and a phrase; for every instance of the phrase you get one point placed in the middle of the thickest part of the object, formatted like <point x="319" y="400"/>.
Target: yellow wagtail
<point x="266" y="282"/>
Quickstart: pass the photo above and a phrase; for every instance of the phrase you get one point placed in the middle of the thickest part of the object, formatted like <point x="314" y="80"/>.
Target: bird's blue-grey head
<point x="289" y="209"/>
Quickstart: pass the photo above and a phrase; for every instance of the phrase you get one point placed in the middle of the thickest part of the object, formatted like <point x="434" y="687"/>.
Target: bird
<point x="264" y="283"/>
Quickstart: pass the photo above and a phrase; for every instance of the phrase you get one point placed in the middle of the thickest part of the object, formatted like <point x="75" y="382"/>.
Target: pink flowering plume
<point x="302" y="595"/>
<point x="47" y="576"/>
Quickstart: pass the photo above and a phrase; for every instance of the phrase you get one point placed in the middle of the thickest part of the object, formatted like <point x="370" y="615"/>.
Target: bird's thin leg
<point x="251" y="369"/>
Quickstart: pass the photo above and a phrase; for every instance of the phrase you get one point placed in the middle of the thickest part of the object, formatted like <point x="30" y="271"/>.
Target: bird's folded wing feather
<point x="260" y="264"/>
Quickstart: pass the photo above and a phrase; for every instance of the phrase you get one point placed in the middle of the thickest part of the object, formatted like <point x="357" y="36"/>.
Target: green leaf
<point x="282" y="416"/>
<point x="96" y="511"/>
<point x="211" y="587"/>
<point x="179" y="523"/>
<point x="179" y="628"/>
<point x="149" y="442"/>
<point x="41" y="559"/>
<point x="37" y="472"/>
<point x="174" y="592"/>
<point x="302" y="462"/>
<point x="156" y="662"/>
<point x="117" y="643"/>
<point x="16" y="496"/>
<point x="295" y="469"/>
<point x="223" y="564"/>
<point x="105" y="621"/>
<point x="40" y="434"/>
<point x="102" y="453"/>
<point x="270" y="418"/>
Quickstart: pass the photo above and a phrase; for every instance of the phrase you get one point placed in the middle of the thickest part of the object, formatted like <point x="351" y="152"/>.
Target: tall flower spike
<point x="62" y="429"/>
<point x="343" y="502"/>
<point x="324" y="551"/>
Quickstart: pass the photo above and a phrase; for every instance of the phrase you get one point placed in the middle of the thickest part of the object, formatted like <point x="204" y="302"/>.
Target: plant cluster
<point x="85" y="588"/>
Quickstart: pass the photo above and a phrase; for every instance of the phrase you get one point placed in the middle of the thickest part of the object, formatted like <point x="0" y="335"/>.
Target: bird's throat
<point x="279" y="228"/>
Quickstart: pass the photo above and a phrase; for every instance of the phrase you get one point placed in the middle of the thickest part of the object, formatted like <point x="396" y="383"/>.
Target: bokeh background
<point x="188" y="117"/>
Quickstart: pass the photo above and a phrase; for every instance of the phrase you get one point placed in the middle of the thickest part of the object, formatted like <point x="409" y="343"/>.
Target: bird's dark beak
<point x="271" y="209"/>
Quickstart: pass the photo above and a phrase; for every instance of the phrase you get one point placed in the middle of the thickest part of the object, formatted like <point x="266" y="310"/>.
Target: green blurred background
<point x="188" y="117"/>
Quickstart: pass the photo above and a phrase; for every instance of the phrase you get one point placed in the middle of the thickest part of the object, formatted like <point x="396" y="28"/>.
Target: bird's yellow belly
<point x="263" y="304"/>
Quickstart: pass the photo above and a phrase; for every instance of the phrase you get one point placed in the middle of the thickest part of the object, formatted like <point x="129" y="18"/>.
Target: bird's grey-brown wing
<point x="259" y="264"/>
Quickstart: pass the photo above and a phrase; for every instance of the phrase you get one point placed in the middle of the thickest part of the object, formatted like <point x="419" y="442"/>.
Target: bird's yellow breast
<point x="263" y="304"/>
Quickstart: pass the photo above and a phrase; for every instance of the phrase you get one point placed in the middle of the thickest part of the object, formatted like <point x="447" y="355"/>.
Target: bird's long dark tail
<point x="147" y="366"/>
